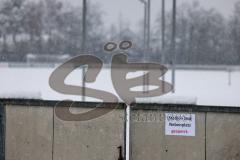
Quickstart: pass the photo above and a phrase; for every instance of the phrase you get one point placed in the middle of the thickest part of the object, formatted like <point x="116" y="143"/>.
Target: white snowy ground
<point x="205" y="87"/>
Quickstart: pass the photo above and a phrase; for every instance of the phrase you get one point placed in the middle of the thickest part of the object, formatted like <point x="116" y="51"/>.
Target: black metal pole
<point x="173" y="43"/>
<point x="84" y="32"/>
<point x="145" y="25"/>
<point x="163" y="42"/>
<point x="83" y="45"/>
<point x="145" y="39"/>
<point x="148" y="24"/>
<point x="146" y="80"/>
<point x="163" y="31"/>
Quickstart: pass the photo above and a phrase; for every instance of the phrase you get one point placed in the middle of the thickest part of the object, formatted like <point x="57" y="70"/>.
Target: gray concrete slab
<point x="29" y="133"/>
<point x="96" y="139"/>
<point x="148" y="139"/>
<point x="223" y="136"/>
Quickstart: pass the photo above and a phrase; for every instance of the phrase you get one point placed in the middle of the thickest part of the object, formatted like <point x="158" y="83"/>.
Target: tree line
<point x="45" y="27"/>
<point x="204" y="36"/>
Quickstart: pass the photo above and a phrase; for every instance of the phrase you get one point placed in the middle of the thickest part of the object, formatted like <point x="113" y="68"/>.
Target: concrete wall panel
<point x="29" y="133"/>
<point x="150" y="142"/>
<point x="96" y="139"/>
<point x="223" y="136"/>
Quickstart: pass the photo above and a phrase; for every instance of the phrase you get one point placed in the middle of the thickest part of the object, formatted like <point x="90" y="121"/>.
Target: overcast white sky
<point x="132" y="10"/>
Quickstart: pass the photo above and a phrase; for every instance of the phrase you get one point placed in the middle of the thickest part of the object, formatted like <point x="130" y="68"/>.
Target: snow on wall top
<point x="21" y="95"/>
<point x="169" y="99"/>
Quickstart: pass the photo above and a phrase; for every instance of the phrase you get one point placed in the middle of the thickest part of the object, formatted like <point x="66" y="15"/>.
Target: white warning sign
<point x="180" y="124"/>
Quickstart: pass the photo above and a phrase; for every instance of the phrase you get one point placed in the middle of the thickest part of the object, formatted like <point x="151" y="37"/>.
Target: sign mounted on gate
<point x="178" y="124"/>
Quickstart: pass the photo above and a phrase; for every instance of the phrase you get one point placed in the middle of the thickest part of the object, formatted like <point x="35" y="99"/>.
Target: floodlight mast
<point x="83" y="44"/>
<point x="163" y="42"/>
<point x="147" y="8"/>
<point x="146" y="37"/>
<point x="173" y="43"/>
<point x="145" y="23"/>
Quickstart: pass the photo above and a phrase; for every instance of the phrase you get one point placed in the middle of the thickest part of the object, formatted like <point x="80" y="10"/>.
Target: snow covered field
<point x="208" y="87"/>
